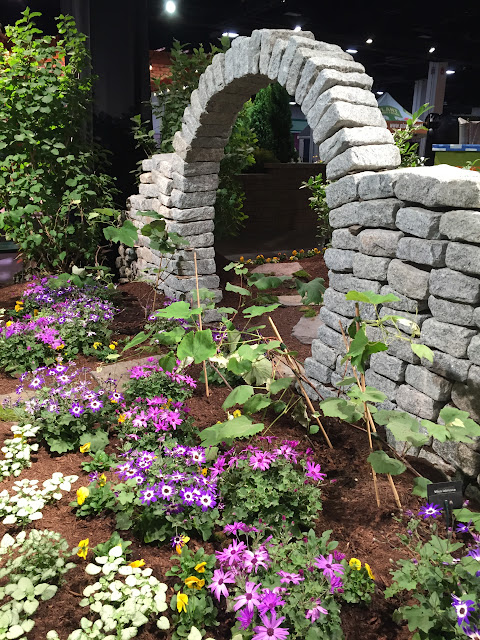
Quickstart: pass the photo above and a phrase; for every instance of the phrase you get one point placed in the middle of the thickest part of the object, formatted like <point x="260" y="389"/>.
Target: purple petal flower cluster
<point x="262" y="460"/>
<point x="147" y="370"/>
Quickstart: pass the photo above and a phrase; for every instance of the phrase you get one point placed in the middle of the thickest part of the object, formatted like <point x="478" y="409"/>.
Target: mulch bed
<point x="349" y="508"/>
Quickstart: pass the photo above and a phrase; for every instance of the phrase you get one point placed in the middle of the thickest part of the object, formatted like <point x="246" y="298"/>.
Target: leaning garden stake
<point x="294" y="367"/>
<point x="207" y="391"/>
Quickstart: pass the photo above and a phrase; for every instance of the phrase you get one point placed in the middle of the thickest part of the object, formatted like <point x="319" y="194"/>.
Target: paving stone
<point x="413" y="401"/>
<point x="345" y="216"/>
<point x="456" y="286"/>
<point x="447" y="451"/>
<point x="370" y="267"/>
<point x="377" y="185"/>
<point x="118" y="371"/>
<point x="321" y="391"/>
<point x="370" y="157"/>
<point x="278" y="268"/>
<point x="404" y="303"/>
<point x="344" y="239"/>
<point x="353" y="137"/>
<point x="290" y="301"/>
<point x="431" y="384"/>
<point x="453" y="312"/>
<point x="316" y="371"/>
<point x="324" y="354"/>
<point x="195" y="183"/>
<point x="467" y="396"/>
<point x="421" y="251"/>
<point x="473" y="351"/>
<point x="447" y="337"/>
<point x="400" y="348"/>
<point x="352" y="95"/>
<point x="333" y="320"/>
<point x="344" y="190"/>
<point x="331" y="338"/>
<point x="383" y="384"/>
<point x="379" y="242"/>
<point x="306" y="329"/>
<point x="461" y="225"/>
<point x="408" y="280"/>
<point x="440" y="186"/>
<point x="388" y="366"/>
<point x="379" y="213"/>
<point x="339" y="260"/>
<point x="463" y="257"/>
<point x="419" y="222"/>
<point x="447" y="366"/>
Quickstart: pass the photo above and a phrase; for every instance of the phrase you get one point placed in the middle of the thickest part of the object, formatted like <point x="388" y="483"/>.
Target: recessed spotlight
<point x="380" y="93"/>
<point x="151" y="67"/>
<point x="431" y="50"/>
<point x="351" y="50"/>
<point x="298" y="28"/>
<point x="170" y="6"/>
<point x="230" y="34"/>
<point x="369" y="40"/>
<point x="292" y="103"/>
<point x="449" y="72"/>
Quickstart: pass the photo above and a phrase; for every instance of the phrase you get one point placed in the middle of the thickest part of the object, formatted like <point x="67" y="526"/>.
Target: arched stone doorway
<point x="333" y="92"/>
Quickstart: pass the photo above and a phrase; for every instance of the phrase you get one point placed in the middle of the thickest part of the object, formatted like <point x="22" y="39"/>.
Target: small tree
<point x="49" y="184"/>
<point x="271" y="119"/>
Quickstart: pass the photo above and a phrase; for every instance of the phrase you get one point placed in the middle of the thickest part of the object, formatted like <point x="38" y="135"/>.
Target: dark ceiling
<point x="402" y="35"/>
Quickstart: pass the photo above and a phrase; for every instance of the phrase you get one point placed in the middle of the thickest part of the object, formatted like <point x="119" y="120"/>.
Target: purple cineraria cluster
<point x="174" y="476"/>
<point x="155" y="414"/>
<point x="147" y="370"/>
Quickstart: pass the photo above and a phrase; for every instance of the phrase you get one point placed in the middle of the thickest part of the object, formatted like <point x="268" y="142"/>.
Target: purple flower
<point x="312" y="470"/>
<point x="271" y="628"/>
<point x="261" y="460"/>
<point x="464" y="528"/>
<point x="250" y="599"/>
<point x="270" y="600"/>
<point x="474" y="553"/>
<point x="463" y="609"/>
<point x="328" y="566"/>
<point x="76" y="409"/>
<point x="232" y="554"/>
<point x="166" y="491"/>
<point x="430" y="511"/>
<point x="95" y="405"/>
<point x="290" y="578"/>
<point x="314" y="613"/>
<point x="253" y="560"/>
<point x="148" y="495"/>
<point x="206" y="501"/>
<point x="219" y="580"/>
<point x="245" y="618"/>
<point x="188" y="496"/>
<point x="197" y="454"/>
<point x="233" y="528"/>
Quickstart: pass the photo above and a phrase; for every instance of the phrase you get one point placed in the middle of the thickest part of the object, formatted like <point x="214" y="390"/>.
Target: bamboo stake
<point x="207" y="391"/>
<point x="294" y="366"/>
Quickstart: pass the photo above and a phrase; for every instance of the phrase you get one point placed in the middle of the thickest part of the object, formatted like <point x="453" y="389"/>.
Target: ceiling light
<point x="230" y="34"/>
<point x="431" y="50"/>
<point x="170" y="6"/>
<point x="449" y="72"/>
<point x="151" y="67"/>
<point x="369" y="40"/>
<point x="298" y="28"/>
<point x="380" y="93"/>
<point x="292" y="103"/>
<point x="351" y="50"/>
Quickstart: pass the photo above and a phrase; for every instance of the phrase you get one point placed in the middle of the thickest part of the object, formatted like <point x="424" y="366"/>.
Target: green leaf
<point x="253" y="312"/>
<point x="280" y="384"/>
<point x="262" y="283"/>
<point x="257" y="402"/>
<point x="170" y="337"/>
<point x="235" y="289"/>
<point x="405" y="428"/>
<point x="241" y="427"/>
<point x="260" y="372"/>
<point x="382" y="463"/>
<point x="198" y="345"/>
<point x="420" y="487"/>
<point x="239" y="395"/>
<point x="126" y="234"/>
<point x="369" y="395"/>
<point x="178" y="310"/>
<point x="97" y="438"/>
<point x="422" y="351"/>
<point x="340" y="408"/>
<point x="311" y="292"/>
<point x="370" y="297"/>
<point x="136" y="340"/>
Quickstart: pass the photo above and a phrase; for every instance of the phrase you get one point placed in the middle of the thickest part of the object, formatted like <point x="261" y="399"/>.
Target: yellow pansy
<point x="268" y="260"/>
<point x="369" y="571"/>
<point x="200" y="567"/>
<point x="294" y="252"/>
<point x="137" y="563"/>
<point x="111" y="346"/>
<point x="7" y="324"/>
<point x="82" y="495"/>
<point x="60" y="346"/>
<point x="96" y="345"/>
<point x="83" y="548"/>
<point x="36" y="312"/>
<point x="122" y="417"/>
<point x="237" y="413"/>
<point x="182" y="543"/>
<point x="204" y="471"/>
<point x="241" y="258"/>
<point x="194" y="583"/>
<point x="182" y="601"/>
<point x="85" y="447"/>
<point x="355" y="564"/>
<point x="102" y="480"/>
<point x="18" y="305"/>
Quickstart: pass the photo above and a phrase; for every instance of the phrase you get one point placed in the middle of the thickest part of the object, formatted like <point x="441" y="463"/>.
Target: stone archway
<point x="333" y="92"/>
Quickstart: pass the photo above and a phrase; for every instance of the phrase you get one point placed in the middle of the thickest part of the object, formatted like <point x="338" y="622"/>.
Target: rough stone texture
<point x="453" y="285"/>
<point x="383" y="384"/>
<point x="344" y="239"/>
<point x="345" y="216"/>
<point x="290" y="301"/>
<point x="388" y="366"/>
<point x="402" y="349"/>
<point x="419" y="222"/>
<point x="453" y="312"/>
<point x="379" y="213"/>
<point x="446" y="337"/>
<point x="339" y="93"/>
<point x="341" y="115"/>
<point x="306" y="329"/>
<point x="345" y="282"/>
<point x="339" y="260"/>
<point x="409" y="323"/>
<point x="333" y="320"/>
<point x="379" y="242"/>
<point x="353" y="137"/>
<point x="278" y="269"/>
<point x="473" y="351"/>
<point x="408" y="280"/>
<point x="328" y="78"/>
<point x="463" y="257"/>
<point x="376" y="185"/>
<point x="370" y="267"/>
<point x="447" y="366"/>
<point x="413" y="401"/>
<point x="332" y="339"/>
<point x="190" y="228"/>
<point x="461" y="225"/>
<point x="335" y="301"/>
<point x="440" y="186"/>
<point x="316" y="371"/>
<point x="420" y="251"/>
<point x="404" y="303"/>
<point x="476" y="316"/>
<point x="431" y="384"/>
<point x="467" y="396"/>
<point x="324" y="354"/>
<point x="371" y="157"/>
<point x="344" y="190"/>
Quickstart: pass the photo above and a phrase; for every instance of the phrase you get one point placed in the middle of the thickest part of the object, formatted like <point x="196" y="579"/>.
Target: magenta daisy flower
<point x="250" y="599"/>
<point x="312" y="470"/>
<point x="261" y="460"/>
<point x="430" y="511"/>
<point x="253" y="560"/>
<point x="290" y="578"/>
<point x="328" y="566"/>
<point x="270" y="600"/>
<point x="271" y="629"/>
<point x="219" y="580"/>
<point x="232" y="554"/>
<point x="245" y="618"/>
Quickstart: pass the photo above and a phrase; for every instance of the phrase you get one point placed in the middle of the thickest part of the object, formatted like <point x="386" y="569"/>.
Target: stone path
<point x="290" y="301"/>
<point x="306" y="329"/>
<point x="278" y="268"/>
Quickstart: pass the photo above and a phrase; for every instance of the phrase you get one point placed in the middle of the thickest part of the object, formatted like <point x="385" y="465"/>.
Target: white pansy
<point x="131" y="581"/>
<point x="108" y="567"/>
<point x="101" y="559"/>
<point x="11" y="519"/>
<point x="92" y="569"/>
<point x="163" y="623"/>
<point x="7" y="541"/>
<point x="125" y="570"/>
<point x="147" y="572"/>
<point x="115" y="552"/>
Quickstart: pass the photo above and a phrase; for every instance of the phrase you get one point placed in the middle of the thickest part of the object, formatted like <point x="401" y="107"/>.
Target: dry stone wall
<point x="414" y="233"/>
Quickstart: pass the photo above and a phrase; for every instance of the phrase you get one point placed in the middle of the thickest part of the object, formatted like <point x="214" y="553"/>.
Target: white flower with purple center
<point x="148" y="495"/>
<point x="95" y="405"/>
<point x="188" y="496"/>
<point x="463" y="609"/>
<point x="77" y="409"/>
<point x="166" y="491"/>
<point x="36" y="383"/>
<point x="206" y="501"/>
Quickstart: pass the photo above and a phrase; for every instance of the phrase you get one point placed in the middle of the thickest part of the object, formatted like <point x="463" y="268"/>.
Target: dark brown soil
<point x="349" y="508"/>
